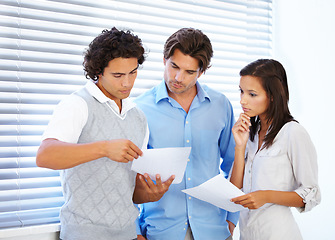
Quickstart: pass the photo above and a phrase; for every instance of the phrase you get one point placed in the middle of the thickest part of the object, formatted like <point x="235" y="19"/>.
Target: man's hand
<point x="122" y="150"/>
<point x="140" y="237"/>
<point x="56" y="154"/>
<point x="231" y="227"/>
<point x="147" y="191"/>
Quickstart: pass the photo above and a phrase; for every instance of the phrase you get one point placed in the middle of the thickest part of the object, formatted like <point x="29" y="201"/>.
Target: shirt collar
<point x="162" y="92"/>
<point x="127" y="103"/>
<point x="201" y="92"/>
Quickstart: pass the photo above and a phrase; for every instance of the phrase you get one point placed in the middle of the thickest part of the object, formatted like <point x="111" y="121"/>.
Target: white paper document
<point x="217" y="191"/>
<point x="163" y="161"/>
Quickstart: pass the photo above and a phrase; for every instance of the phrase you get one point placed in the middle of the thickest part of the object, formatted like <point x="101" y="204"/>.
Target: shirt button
<point x="188" y="160"/>
<point x="187" y="141"/>
<point x="186" y="122"/>
<point x="189" y="198"/>
<point x="189" y="179"/>
<point x="186" y="223"/>
<point x="184" y="228"/>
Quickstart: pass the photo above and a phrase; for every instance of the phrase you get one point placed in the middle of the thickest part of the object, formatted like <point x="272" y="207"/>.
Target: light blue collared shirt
<point x="207" y="129"/>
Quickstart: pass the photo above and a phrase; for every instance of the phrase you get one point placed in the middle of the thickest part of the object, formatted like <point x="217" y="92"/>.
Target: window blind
<point x="41" y="52"/>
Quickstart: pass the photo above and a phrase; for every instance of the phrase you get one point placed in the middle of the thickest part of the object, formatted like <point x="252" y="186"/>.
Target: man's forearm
<point x="55" y="154"/>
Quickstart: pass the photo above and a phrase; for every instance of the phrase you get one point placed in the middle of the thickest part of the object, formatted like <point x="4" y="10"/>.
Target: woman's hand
<point x="241" y="130"/>
<point x="252" y="200"/>
<point x="257" y="199"/>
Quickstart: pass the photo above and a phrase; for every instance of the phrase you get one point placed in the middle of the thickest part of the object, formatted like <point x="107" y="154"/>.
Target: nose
<point x="125" y="81"/>
<point x="179" y="76"/>
<point x="243" y="99"/>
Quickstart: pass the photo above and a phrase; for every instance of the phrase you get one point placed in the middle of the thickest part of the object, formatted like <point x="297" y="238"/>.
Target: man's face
<point x="118" y="78"/>
<point x="181" y="73"/>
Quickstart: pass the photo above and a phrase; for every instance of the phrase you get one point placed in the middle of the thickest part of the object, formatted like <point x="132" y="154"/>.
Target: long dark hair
<point x="274" y="81"/>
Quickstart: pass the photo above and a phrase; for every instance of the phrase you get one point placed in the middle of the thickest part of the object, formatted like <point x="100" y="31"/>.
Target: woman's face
<point x="254" y="100"/>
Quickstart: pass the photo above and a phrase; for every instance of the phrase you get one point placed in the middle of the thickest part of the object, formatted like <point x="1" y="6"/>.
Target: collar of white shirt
<point x="127" y="103"/>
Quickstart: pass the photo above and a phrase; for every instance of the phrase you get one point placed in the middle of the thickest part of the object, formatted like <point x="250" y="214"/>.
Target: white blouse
<point x="290" y="164"/>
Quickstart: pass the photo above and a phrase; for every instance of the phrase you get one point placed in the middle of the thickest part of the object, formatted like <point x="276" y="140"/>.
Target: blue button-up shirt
<point x="207" y="129"/>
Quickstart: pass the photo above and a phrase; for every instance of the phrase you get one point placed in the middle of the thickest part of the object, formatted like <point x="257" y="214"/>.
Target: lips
<point x="245" y="109"/>
<point x="176" y="85"/>
<point x="125" y="91"/>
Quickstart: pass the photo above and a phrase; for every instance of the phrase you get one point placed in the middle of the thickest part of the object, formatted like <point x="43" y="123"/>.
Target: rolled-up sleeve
<point x="233" y="217"/>
<point x="310" y="196"/>
<point x="303" y="156"/>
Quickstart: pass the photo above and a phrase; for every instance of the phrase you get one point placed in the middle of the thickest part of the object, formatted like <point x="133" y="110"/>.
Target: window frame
<point x="42" y="45"/>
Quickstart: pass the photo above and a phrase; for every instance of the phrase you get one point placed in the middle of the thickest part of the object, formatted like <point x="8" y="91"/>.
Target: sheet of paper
<point x="163" y="161"/>
<point x="217" y="191"/>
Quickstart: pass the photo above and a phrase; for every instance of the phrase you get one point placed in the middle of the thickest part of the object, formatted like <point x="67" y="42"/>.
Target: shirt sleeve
<point x="139" y="221"/>
<point x="227" y="150"/>
<point x="303" y="156"/>
<point x="146" y="139"/>
<point x="233" y="217"/>
<point x="138" y="227"/>
<point x="68" y="119"/>
<point x="227" y="143"/>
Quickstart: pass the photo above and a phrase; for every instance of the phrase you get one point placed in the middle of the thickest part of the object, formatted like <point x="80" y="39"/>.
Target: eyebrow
<point x="189" y="70"/>
<point x="118" y="73"/>
<point x="248" y="90"/>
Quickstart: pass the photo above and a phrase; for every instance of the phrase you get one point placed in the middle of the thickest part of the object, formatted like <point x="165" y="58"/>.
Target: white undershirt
<point x="70" y="115"/>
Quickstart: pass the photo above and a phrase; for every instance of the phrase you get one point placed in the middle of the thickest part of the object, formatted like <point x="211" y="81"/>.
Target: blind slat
<point x="49" y="181"/>
<point x="17" y="194"/>
<point x="30" y="217"/>
<point x="27" y="173"/>
<point x="29" y="204"/>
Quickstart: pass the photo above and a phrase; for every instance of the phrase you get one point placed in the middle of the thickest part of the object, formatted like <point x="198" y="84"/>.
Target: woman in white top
<point x="275" y="159"/>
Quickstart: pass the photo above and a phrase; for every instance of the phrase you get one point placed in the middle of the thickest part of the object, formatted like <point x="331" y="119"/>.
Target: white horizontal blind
<point x="41" y="47"/>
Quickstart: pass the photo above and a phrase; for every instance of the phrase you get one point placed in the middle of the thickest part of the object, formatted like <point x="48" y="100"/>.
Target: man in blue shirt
<point x="183" y="113"/>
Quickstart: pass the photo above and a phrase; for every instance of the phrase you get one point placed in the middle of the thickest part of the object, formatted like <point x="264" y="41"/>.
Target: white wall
<point x="304" y="42"/>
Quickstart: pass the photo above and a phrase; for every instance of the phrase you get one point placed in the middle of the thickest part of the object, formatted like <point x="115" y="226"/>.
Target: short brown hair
<point x="192" y="42"/>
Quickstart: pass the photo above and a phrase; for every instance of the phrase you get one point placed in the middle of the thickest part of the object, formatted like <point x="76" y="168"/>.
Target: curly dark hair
<point x="192" y="42"/>
<point x="274" y="81"/>
<point x="111" y="44"/>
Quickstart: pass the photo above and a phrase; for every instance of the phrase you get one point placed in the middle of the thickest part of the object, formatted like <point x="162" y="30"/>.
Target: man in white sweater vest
<point x="93" y="136"/>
